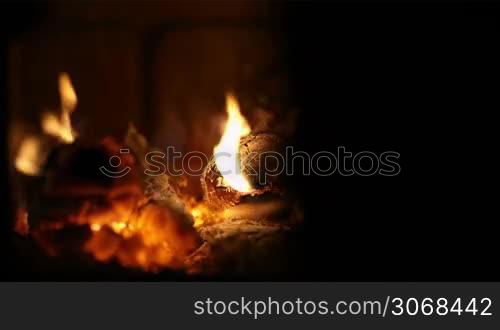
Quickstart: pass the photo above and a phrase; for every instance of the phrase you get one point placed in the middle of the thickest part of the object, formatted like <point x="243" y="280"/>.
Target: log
<point x="255" y="166"/>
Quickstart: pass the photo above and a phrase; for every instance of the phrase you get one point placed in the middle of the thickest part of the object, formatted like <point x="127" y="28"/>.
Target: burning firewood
<point x="114" y="218"/>
<point x="244" y="225"/>
<point x="70" y="206"/>
<point x="246" y="220"/>
<point x="247" y="241"/>
<point x="258" y="156"/>
<point x="163" y="188"/>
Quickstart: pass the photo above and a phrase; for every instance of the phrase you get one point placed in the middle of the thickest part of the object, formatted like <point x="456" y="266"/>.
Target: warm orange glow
<point x="149" y="239"/>
<point x="196" y="214"/>
<point x="21" y="224"/>
<point x="131" y="230"/>
<point x="60" y="125"/>
<point x="204" y="215"/>
<point x="28" y="159"/>
<point x="227" y="151"/>
<point x="67" y="93"/>
<point x="95" y="227"/>
<point x="126" y="227"/>
<point x="118" y="226"/>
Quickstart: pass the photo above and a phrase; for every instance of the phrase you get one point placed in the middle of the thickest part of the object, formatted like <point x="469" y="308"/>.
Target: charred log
<point x="261" y="158"/>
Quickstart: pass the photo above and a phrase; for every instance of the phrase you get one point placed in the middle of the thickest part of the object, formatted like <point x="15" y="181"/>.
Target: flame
<point x="60" y="125"/>
<point x="235" y="128"/>
<point x="67" y="93"/>
<point x="204" y="215"/>
<point x="150" y="239"/>
<point x="125" y="226"/>
<point x="130" y="230"/>
<point x="28" y="160"/>
<point x="95" y="227"/>
<point x="21" y="224"/>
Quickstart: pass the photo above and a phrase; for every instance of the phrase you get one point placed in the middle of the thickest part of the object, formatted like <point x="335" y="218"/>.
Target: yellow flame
<point x="67" y="93"/>
<point x="95" y="227"/>
<point x="118" y="226"/>
<point x="60" y="126"/>
<point x="28" y="160"/>
<point x="227" y="151"/>
<point x="197" y="214"/>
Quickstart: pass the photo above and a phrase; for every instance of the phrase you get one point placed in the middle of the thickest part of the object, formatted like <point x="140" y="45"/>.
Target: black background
<point x="416" y="78"/>
<point x="413" y="77"/>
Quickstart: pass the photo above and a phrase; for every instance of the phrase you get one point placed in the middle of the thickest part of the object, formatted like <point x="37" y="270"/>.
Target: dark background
<point x="416" y="78"/>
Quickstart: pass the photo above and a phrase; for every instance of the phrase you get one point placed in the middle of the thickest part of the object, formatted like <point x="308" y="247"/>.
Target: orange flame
<point x="128" y="229"/>
<point x="28" y="159"/>
<point x="150" y="238"/>
<point x="60" y="125"/>
<point x="227" y="151"/>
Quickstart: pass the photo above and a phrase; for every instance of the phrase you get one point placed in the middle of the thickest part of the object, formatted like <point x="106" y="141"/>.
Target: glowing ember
<point x="204" y="215"/>
<point x="117" y="223"/>
<point x="95" y="227"/>
<point x="131" y="231"/>
<point x="149" y="238"/>
<point x="21" y="225"/>
<point x="60" y="125"/>
<point x="227" y="151"/>
<point x="28" y="160"/>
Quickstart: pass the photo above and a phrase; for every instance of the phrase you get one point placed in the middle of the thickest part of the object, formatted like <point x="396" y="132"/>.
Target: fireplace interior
<point x="88" y="81"/>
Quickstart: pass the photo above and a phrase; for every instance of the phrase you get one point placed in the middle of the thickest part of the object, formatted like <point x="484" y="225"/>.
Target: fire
<point x="146" y="236"/>
<point x="28" y="160"/>
<point x="60" y="125"/>
<point x="116" y="223"/>
<point x="227" y="151"/>
<point x="21" y="224"/>
<point x="30" y="155"/>
<point x="130" y="230"/>
<point x="204" y="215"/>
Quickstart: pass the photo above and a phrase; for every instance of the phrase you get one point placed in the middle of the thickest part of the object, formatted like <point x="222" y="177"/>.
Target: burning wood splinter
<point x="246" y="219"/>
<point x="240" y="167"/>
